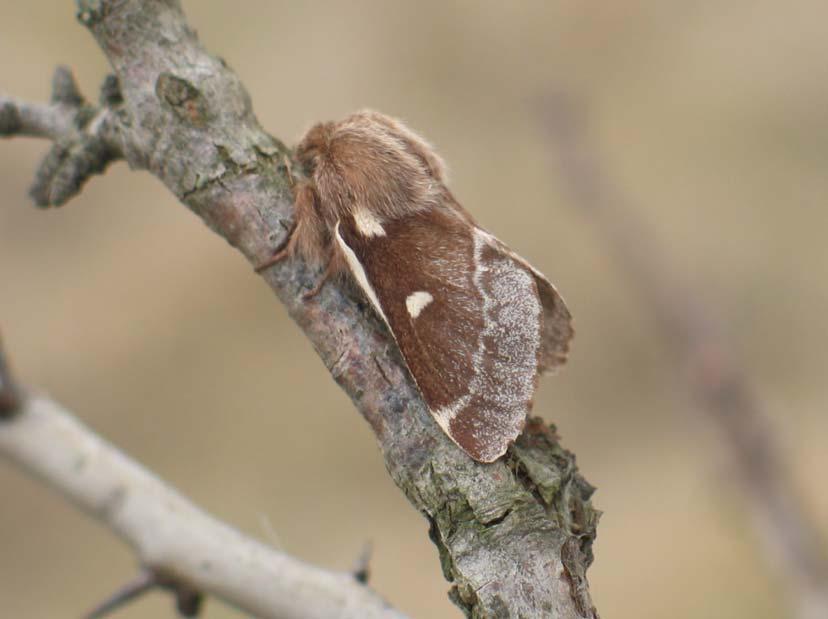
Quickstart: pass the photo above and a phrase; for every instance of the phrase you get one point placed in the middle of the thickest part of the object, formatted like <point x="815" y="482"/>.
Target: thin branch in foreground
<point x="183" y="548"/>
<point x="791" y="541"/>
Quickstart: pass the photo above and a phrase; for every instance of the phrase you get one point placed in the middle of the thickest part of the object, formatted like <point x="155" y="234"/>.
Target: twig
<point x="187" y="119"/>
<point x="362" y="567"/>
<point x="182" y="547"/>
<point x="791" y="541"/>
<point x="188" y="601"/>
<point x="144" y="582"/>
<point x="85" y="138"/>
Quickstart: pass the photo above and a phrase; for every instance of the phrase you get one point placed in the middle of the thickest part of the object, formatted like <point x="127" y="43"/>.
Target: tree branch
<point x="171" y="536"/>
<point x="515" y="537"/>
<point x="792" y="543"/>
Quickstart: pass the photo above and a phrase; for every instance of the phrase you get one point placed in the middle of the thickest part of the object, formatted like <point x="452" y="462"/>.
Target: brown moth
<point x="476" y="324"/>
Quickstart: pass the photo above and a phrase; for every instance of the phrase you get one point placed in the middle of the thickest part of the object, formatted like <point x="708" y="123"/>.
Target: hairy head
<point x="373" y="163"/>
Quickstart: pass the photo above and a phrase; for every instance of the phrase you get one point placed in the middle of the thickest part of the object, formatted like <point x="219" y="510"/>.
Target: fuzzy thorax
<point x="368" y="166"/>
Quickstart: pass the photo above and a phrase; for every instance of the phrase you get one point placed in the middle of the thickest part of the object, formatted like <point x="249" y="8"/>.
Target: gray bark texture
<point x="514" y="537"/>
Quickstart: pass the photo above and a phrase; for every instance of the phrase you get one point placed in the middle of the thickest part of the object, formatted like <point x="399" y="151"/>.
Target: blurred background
<point x="709" y="115"/>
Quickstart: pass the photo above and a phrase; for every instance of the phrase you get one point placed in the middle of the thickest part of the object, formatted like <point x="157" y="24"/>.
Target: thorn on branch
<point x="10" y="396"/>
<point x="362" y="567"/>
<point x="135" y="588"/>
<point x="65" y="89"/>
<point x="188" y="600"/>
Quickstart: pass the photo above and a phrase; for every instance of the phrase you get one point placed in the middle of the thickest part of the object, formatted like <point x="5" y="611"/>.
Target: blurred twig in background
<point x="791" y="542"/>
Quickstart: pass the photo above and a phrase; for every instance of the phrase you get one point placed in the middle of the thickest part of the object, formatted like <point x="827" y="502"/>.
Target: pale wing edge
<point x="558" y="329"/>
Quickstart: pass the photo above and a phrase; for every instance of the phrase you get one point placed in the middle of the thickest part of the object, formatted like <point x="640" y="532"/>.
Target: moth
<point x="476" y="324"/>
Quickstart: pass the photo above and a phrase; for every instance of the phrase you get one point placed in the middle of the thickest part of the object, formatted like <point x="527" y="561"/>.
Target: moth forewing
<point x="467" y="319"/>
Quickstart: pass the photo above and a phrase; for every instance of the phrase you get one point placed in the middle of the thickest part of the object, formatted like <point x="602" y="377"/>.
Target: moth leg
<point x="304" y="235"/>
<point x="330" y="269"/>
<point x="282" y="252"/>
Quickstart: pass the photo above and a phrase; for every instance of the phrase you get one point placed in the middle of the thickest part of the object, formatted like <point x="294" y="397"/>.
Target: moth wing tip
<point x="487" y="452"/>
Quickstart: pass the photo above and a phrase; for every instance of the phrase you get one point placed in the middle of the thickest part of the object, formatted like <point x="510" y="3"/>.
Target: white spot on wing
<point x="358" y="272"/>
<point x="367" y="223"/>
<point x="417" y="302"/>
